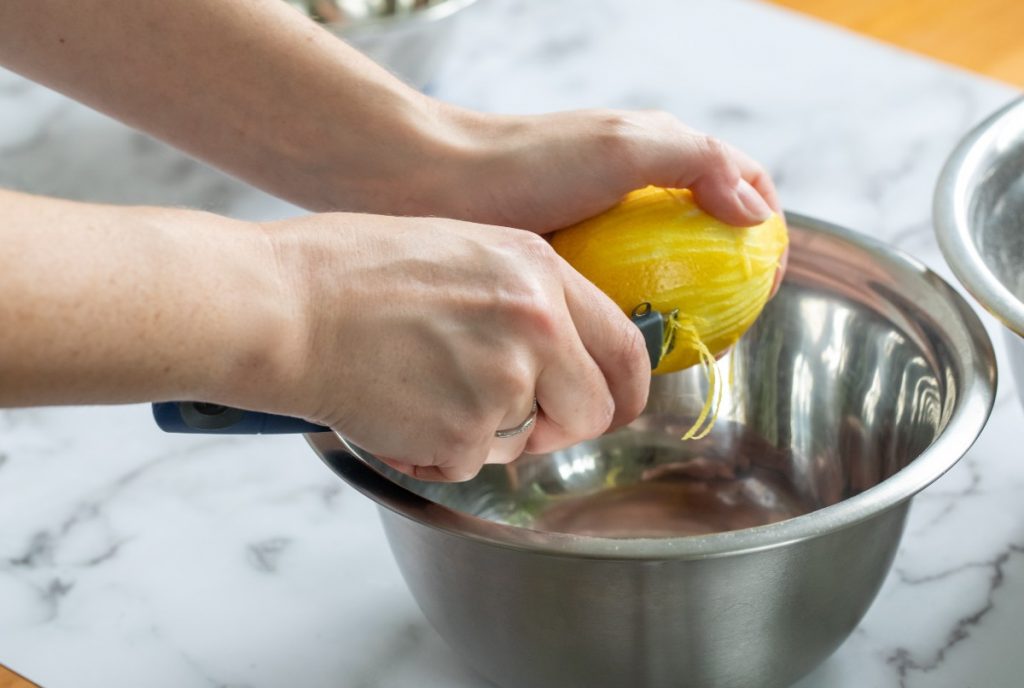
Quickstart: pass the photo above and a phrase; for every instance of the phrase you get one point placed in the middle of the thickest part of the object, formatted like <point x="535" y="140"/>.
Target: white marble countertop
<point x="132" y="558"/>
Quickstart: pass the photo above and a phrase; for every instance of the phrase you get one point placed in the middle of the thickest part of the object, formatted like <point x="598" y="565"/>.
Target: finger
<point x="701" y="163"/>
<point x="756" y="176"/>
<point x="613" y="344"/>
<point x="508" y="449"/>
<point x="399" y="466"/>
<point x="456" y="466"/>
<point x="457" y="460"/>
<point x="455" y="472"/>
<point x="426" y="473"/>
<point x="676" y="156"/>
<point x="572" y="392"/>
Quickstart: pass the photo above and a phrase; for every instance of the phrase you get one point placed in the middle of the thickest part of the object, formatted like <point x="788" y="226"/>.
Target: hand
<point x="545" y="172"/>
<point x="419" y="338"/>
<point x="548" y="171"/>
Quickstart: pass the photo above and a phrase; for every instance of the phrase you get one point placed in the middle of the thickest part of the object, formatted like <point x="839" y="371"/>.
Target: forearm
<point x="101" y="304"/>
<point x="250" y="86"/>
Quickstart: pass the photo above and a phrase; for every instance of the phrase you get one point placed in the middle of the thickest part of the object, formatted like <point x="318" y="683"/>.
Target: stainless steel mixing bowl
<point x="979" y="219"/>
<point x="741" y="560"/>
<point x="409" y="37"/>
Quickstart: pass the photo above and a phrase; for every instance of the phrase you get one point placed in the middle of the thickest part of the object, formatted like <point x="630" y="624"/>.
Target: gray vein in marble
<point x="54" y="159"/>
<point x="878" y="185"/>
<point x="731" y="113"/>
<point x="561" y="47"/>
<point x="903" y="660"/>
<point x="40" y="550"/>
<point x="15" y="419"/>
<point x="107" y="554"/>
<point x="44" y="129"/>
<point x="49" y="595"/>
<point x="913" y="232"/>
<point x="15" y="86"/>
<point x="197" y="667"/>
<point x="52" y="595"/>
<point x="329" y="494"/>
<point x="266" y="554"/>
<point x="952" y="498"/>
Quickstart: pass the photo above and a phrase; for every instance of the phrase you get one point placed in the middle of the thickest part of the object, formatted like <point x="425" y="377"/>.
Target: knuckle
<point x="459" y="469"/>
<point x="518" y="382"/>
<point x="631" y="354"/>
<point x="634" y="366"/>
<point x="712" y="150"/>
<point x="617" y="133"/>
<point x="591" y="419"/>
<point x="458" y="439"/>
<point x="597" y="420"/>
<point x="615" y="120"/>
<point x="536" y="248"/>
<point x="529" y="310"/>
<point x="632" y="404"/>
<point x="601" y="417"/>
<point x="634" y="398"/>
<point x="513" y="379"/>
<point x="462" y="474"/>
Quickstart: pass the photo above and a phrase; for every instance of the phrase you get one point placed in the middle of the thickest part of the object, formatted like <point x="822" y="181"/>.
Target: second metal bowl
<point x="979" y="219"/>
<point x="409" y="37"/>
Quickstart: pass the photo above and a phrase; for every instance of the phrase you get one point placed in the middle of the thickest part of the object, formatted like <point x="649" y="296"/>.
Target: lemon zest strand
<point x="715" y="389"/>
<point x="713" y="400"/>
<point x="732" y="369"/>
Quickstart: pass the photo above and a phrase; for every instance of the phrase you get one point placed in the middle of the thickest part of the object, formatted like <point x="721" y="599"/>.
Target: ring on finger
<point x="522" y="427"/>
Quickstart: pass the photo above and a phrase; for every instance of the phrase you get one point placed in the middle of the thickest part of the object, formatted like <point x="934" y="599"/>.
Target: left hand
<point x="545" y="172"/>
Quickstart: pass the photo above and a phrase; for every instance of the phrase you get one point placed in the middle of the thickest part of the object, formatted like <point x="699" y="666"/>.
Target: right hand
<point x="419" y="338"/>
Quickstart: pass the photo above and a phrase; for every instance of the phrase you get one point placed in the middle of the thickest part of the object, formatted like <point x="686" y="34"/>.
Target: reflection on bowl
<point x="409" y="37"/>
<point x="743" y="559"/>
<point x="644" y="482"/>
<point x="979" y="219"/>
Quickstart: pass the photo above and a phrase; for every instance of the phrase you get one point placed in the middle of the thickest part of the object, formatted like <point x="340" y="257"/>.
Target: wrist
<point x="464" y="163"/>
<point x="397" y="161"/>
<point x="432" y="168"/>
<point x="247" y="320"/>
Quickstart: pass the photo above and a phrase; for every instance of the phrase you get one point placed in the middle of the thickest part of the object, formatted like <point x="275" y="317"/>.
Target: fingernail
<point x="752" y="201"/>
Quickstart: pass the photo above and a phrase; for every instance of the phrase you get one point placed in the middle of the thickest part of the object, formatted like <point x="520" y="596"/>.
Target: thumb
<point x="722" y="179"/>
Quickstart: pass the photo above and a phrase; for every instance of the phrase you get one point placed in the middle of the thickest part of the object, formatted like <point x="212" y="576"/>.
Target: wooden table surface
<point x="9" y="679"/>
<point x="984" y="36"/>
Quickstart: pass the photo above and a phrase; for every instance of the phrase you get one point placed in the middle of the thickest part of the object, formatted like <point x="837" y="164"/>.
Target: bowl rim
<point x="380" y="24"/>
<point x="967" y="419"/>
<point x="950" y="208"/>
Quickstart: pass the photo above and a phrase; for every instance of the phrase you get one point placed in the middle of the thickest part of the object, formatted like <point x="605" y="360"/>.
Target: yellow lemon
<point x="658" y="247"/>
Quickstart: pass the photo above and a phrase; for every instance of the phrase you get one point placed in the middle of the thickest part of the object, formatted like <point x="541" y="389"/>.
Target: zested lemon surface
<point x="657" y="246"/>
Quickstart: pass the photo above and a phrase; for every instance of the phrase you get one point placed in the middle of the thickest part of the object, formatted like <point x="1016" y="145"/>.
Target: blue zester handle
<point x="197" y="417"/>
<point x="213" y="419"/>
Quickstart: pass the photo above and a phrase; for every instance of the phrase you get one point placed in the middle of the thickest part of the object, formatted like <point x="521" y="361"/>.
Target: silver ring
<point x="522" y="427"/>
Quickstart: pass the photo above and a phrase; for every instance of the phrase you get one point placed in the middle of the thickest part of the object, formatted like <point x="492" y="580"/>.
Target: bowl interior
<point x="995" y="202"/>
<point x="852" y="371"/>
